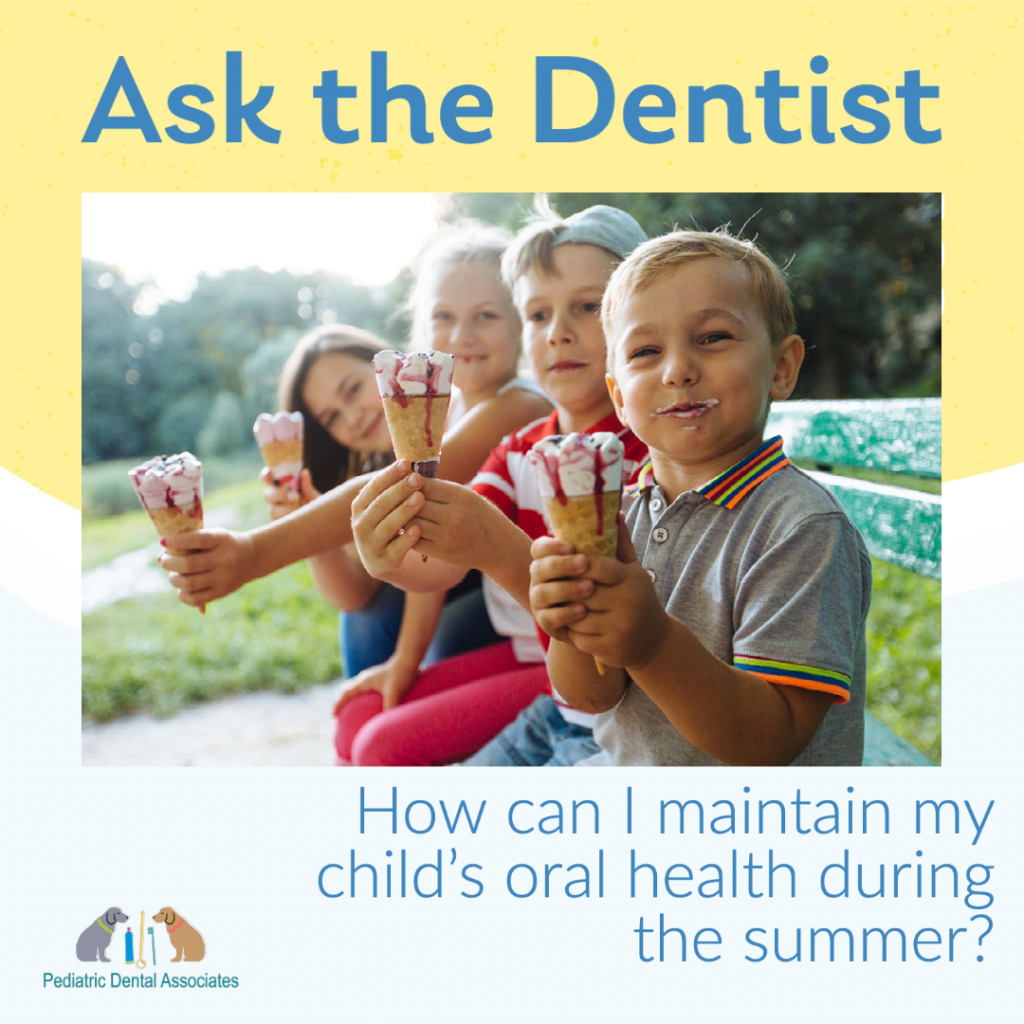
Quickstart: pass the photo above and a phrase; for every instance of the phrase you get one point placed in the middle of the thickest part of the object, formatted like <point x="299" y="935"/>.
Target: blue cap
<point x="611" y="229"/>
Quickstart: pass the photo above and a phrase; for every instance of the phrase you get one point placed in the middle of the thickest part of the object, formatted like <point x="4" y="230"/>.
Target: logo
<point x="186" y="940"/>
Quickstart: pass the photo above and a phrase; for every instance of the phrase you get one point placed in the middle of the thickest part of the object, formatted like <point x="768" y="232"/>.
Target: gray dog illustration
<point x="93" y="942"/>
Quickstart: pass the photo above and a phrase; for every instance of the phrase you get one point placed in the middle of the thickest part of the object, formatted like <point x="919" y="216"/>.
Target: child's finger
<point x="397" y="549"/>
<point x="556" y="621"/>
<point x="395" y="520"/>
<point x="559" y="592"/>
<point x="625" y="551"/>
<point x="545" y="547"/>
<point x="306" y="488"/>
<point x="196" y="599"/>
<point x="191" y="582"/>
<point x="200" y="540"/>
<point x="395" y="499"/>
<point x="386" y="478"/>
<point x="187" y="565"/>
<point x="348" y="691"/>
<point x="609" y="572"/>
<point x="558" y="567"/>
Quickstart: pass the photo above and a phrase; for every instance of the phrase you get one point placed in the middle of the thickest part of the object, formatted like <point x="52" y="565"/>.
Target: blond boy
<point x="732" y="626"/>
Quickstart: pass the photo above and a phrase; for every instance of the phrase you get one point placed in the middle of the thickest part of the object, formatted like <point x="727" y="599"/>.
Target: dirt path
<point x="257" y="729"/>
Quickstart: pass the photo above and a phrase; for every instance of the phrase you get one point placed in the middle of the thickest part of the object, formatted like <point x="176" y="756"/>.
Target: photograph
<point x="511" y="479"/>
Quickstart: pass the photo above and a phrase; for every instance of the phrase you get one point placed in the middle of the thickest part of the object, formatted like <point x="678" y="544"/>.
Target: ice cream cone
<point x="415" y="389"/>
<point x="580" y="477"/>
<point x="588" y="522"/>
<point x="172" y="522"/>
<point x="416" y="424"/>
<point x="170" y="488"/>
<point x="280" y="441"/>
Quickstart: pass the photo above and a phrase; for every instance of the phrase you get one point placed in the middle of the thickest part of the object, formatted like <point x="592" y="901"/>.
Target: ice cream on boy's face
<point x="580" y="478"/>
<point x="415" y="389"/>
<point x="280" y="441"/>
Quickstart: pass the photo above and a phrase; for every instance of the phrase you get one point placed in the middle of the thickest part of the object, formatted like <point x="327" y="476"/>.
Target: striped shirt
<point x="509" y="480"/>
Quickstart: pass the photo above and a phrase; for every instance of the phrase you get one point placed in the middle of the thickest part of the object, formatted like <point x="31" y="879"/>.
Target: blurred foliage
<point x="151" y="380"/>
<point x="225" y="430"/>
<point x="905" y="656"/>
<point x="864" y="269"/>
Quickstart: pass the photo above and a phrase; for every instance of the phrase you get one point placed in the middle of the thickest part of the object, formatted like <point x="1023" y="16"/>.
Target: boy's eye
<point x="591" y="307"/>
<point x="442" y="316"/>
<point x="538" y="316"/>
<point x="488" y="314"/>
<point x="710" y="339"/>
<point x="644" y="350"/>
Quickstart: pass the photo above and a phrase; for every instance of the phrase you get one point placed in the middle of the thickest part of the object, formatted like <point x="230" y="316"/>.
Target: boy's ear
<point x="616" y="394"/>
<point x="789" y="357"/>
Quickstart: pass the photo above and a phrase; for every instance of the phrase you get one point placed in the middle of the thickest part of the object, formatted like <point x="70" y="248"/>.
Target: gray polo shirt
<point x="768" y="571"/>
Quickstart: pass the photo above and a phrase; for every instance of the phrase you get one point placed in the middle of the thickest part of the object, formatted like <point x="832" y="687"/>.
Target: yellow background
<point x="55" y="59"/>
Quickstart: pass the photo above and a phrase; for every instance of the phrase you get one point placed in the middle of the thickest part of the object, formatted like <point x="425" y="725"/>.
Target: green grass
<point x="905" y="656"/>
<point x="155" y="654"/>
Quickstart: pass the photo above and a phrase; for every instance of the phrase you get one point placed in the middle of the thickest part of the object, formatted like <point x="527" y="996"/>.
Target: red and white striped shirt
<point x="509" y="480"/>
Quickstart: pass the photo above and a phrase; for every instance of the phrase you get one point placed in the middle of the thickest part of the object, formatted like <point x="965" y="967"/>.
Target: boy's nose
<point x="680" y="371"/>
<point x="560" y="331"/>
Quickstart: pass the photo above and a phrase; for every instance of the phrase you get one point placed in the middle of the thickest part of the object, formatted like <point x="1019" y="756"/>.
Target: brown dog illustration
<point x="187" y="942"/>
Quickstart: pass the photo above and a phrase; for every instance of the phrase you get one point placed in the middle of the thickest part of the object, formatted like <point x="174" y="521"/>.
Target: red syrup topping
<point x="550" y="464"/>
<point x="599" y="492"/>
<point x="428" y="380"/>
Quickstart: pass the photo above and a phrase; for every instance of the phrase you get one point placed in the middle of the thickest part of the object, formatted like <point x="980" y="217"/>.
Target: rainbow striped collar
<point x="729" y="488"/>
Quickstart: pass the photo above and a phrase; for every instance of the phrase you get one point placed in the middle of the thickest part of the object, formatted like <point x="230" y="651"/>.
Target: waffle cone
<point x="172" y="522"/>
<point x="277" y="452"/>
<point x="589" y="522"/>
<point x="416" y="424"/>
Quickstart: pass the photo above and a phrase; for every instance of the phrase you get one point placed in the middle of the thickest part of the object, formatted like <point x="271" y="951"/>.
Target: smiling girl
<point x="458" y="305"/>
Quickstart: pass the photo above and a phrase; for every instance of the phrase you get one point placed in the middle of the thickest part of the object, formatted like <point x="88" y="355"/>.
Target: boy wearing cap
<point x="557" y="270"/>
<point x="733" y="625"/>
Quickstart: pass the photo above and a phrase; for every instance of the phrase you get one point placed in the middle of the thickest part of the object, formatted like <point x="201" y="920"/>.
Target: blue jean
<point x="539" y="736"/>
<point x="368" y="637"/>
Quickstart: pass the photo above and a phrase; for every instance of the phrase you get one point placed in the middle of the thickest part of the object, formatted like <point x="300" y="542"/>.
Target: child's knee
<point x="381" y="742"/>
<point x="353" y="719"/>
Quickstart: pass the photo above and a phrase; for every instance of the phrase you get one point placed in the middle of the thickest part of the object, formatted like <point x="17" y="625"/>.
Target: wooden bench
<point x="899" y="525"/>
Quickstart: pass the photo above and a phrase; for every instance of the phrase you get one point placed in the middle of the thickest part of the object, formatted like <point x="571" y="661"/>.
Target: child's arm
<point x="732" y="715"/>
<point x="393" y="677"/>
<point x="226" y="560"/>
<point x="481" y="429"/>
<point x="339" y="577"/>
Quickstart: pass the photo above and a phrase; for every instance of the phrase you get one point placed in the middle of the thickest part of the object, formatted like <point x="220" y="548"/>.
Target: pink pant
<point x="453" y="709"/>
